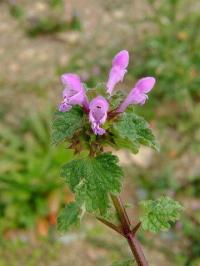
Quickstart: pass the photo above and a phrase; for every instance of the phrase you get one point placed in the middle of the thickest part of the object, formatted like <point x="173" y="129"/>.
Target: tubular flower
<point x="98" y="113"/>
<point x="73" y="93"/>
<point x="138" y="95"/>
<point x="118" y="70"/>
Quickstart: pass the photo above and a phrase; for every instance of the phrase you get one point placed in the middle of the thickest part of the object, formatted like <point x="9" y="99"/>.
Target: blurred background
<point x="39" y="40"/>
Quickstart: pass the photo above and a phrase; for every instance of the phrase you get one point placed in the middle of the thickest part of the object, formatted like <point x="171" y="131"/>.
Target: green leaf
<point x="66" y="124"/>
<point x="92" y="179"/>
<point x="116" y="99"/>
<point x="158" y="214"/>
<point x="129" y="262"/>
<point x="132" y="130"/>
<point x="68" y="216"/>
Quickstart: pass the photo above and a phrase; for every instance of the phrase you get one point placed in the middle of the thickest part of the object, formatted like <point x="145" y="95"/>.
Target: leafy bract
<point x="116" y="99"/>
<point x="132" y="130"/>
<point x="158" y="214"/>
<point x="68" y="216"/>
<point x="65" y="124"/>
<point x="92" y="179"/>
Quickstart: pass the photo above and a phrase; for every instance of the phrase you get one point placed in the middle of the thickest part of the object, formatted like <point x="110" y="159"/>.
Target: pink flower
<point x="138" y="95"/>
<point x="73" y="93"/>
<point x="118" y="70"/>
<point x="98" y="114"/>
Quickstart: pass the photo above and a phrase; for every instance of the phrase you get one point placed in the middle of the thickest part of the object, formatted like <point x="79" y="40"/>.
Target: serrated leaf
<point x="65" y="124"/>
<point x="124" y="263"/>
<point x="68" y="216"/>
<point x="92" y="179"/>
<point x="116" y="99"/>
<point x="158" y="214"/>
<point x="132" y="130"/>
<point x="100" y="89"/>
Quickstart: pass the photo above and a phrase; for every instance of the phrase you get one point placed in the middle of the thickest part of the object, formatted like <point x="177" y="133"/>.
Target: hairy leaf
<point x="116" y="99"/>
<point x="158" y="214"/>
<point x="68" y="216"/>
<point x="132" y="130"/>
<point x="92" y="179"/>
<point x="66" y="124"/>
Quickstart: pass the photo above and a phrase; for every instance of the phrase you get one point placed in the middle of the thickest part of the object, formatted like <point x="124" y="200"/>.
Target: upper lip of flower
<point x="118" y="70"/>
<point x="138" y="95"/>
<point x="74" y="92"/>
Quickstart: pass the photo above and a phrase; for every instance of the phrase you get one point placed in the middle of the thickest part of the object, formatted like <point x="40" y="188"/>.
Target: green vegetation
<point x="123" y="263"/>
<point x="28" y="171"/>
<point x="66" y="124"/>
<point x="92" y="179"/>
<point x="171" y="53"/>
<point x="29" y="165"/>
<point x="132" y="131"/>
<point x="52" y="23"/>
<point x="158" y="214"/>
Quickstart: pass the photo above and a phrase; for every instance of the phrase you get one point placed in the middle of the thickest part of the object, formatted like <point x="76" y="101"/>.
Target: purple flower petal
<point x="71" y="81"/>
<point x="121" y="59"/>
<point x="145" y="85"/>
<point x="73" y="93"/>
<point x="98" y="114"/>
<point x="64" y="107"/>
<point x="138" y="94"/>
<point x="118" y="70"/>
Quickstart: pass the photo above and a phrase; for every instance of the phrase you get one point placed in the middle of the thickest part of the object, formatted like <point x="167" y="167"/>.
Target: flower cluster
<point x="74" y="93"/>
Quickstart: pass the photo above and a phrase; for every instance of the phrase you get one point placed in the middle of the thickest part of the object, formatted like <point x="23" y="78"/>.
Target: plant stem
<point x="116" y="228"/>
<point x="128" y="233"/>
<point x="136" y="249"/>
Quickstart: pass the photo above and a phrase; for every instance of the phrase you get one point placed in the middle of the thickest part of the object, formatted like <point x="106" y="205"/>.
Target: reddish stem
<point x="136" y="249"/>
<point x="116" y="228"/>
<point x="129" y="234"/>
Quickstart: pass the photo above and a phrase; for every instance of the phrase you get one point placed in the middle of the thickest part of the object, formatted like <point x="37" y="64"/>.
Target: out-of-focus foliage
<point x="123" y="263"/>
<point x="28" y="171"/>
<point x="45" y="24"/>
<point x="171" y="53"/>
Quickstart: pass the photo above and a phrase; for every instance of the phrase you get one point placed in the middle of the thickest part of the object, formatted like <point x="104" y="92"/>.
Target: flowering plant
<point x="89" y="120"/>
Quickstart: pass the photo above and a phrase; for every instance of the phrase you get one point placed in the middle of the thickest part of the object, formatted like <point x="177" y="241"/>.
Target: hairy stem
<point x="128" y="232"/>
